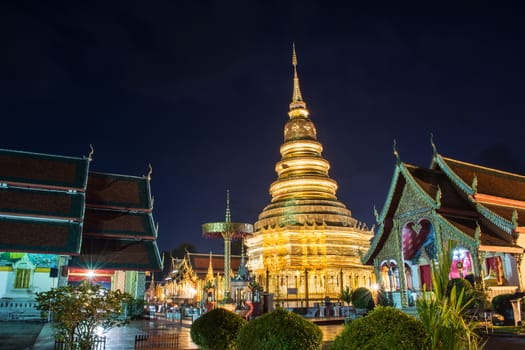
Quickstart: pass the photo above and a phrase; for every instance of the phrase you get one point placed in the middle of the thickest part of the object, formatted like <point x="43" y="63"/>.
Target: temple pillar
<point x="306" y="293"/>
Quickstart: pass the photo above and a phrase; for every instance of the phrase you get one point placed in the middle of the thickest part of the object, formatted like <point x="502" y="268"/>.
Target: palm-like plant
<point x="346" y="295"/>
<point x="442" y="313"/>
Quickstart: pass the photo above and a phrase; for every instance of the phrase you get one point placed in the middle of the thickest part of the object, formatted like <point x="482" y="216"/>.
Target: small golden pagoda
<point x="306" y="245"/>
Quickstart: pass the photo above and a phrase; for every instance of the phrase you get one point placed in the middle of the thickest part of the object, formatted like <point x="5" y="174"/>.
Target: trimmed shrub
<point x="280" y="330"/>
<point x="362" y="299"/>
<point x="217" y="330"/>
<point x="501" y="304"/>
<point x="384" y="328"/>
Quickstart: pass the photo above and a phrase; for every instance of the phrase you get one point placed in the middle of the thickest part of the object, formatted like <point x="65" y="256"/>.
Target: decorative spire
<point x="297" y="106"/>
<point x="228" y="215"/>
<point x="209" y="275"/>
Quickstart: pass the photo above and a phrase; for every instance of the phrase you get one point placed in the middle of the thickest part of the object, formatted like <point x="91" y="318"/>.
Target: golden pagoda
<point x="306" y="245"/>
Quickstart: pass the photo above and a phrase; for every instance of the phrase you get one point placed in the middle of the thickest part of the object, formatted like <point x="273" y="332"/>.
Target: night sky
<point x="200" y="89"/>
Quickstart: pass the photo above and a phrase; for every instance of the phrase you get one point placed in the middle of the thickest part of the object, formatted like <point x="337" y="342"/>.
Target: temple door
<point x="426" y="277"/>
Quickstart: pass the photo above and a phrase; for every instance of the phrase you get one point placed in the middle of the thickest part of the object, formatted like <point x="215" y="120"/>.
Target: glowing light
<point x="90" y="274"/>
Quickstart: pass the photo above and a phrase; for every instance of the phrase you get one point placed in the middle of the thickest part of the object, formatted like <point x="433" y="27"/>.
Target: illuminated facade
<point x="306" y="245"/>
<point x="481" y="209"/>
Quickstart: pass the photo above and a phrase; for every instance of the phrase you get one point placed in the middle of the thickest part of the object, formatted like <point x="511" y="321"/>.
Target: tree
<point x="77" y="311"/>
<point x="181" y="250"/>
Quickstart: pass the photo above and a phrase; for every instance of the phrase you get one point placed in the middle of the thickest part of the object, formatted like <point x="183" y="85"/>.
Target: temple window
<point x="495" y="276"/>
<point x="23" y="273"/>
<point x="461" y="263"/>
<point x="389" y="275"/>
<point x="22" y="278"/>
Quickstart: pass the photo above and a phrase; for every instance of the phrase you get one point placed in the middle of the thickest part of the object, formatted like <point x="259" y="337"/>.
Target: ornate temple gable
<point x="391" y="249"/>
<point x="385" y="219"/>
<point x="414" y="199"/>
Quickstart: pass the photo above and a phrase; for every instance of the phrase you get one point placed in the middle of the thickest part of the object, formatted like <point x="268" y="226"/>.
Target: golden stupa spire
<point x="297" y="106"/>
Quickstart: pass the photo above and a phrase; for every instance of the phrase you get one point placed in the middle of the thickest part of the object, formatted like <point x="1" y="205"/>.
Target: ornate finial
<point x="150" y="172"/>
<point x="477" y="233"/>
<point x="396" y="154"/>
<point x="438" y="197"/>
<point x="474" y="183"/>
<point x="157" y="227"/>
<point x="434" y="149"/>
<point x="228" y="215"/>
<point x="297" y="99"/>
<point x="515" y="218"/>
<point x="152" y="201"/>
<point x="376" y="214"/>
<point x="91" y="152"/>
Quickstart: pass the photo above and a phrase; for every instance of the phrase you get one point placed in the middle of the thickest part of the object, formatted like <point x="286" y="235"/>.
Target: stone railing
<point x="19" y="309"/>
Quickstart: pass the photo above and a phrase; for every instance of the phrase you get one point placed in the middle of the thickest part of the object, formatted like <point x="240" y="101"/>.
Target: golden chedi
<point x="306" y="245"/>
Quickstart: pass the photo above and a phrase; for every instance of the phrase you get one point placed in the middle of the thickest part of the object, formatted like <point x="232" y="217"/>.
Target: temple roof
<point x="118" y="223"/>
<point x="39" y="236"/>
<point x="39" y="203"/>
<point x="118" y="254"/>
<point x="489" y="181"/>
<point x="110" y="190"/>
<point x="446" y="190"/>
<point x="200" y="262"/>
<point x="43" y="170"/>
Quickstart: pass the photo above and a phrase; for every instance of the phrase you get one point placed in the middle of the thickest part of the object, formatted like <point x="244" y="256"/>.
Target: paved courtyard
<point x="38" y="336"/>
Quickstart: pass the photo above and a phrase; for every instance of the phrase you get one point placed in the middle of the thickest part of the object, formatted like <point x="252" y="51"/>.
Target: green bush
<point x="501" y="304"/>
<point x="384" y="298"/>
<point x="217" y="330"/>
<point x="280" y="330"/>
<point x="384" y="328"/>
<point x="362" y="299"/>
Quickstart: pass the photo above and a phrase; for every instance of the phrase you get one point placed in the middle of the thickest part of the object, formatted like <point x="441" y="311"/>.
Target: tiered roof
<point x="118" y="230"/>
<point x="53" y="204"/>
<point x="41" y="202"/>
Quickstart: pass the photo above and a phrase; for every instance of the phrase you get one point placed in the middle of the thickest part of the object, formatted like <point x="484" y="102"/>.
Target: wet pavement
<point x="38" y="336"/>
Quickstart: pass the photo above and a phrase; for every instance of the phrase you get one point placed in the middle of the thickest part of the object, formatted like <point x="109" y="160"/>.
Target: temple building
<point x="192" y="276"/>
<point x="61" y="223"/>
<point x="306" y="245"/>
<point x="481" y="209"/>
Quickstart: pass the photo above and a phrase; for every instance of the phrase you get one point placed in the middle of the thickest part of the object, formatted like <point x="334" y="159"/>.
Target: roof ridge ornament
<point x="297" y="106"/>
<point x="149" y="172"/>
<point x="474" y="184"/>
<point x="434" y="148"/>
<point x="91" y="152"/>
<point x="396" y="153"/>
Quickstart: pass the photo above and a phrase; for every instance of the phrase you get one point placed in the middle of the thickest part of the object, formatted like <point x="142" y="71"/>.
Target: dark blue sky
<point x="200" y="89"/>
